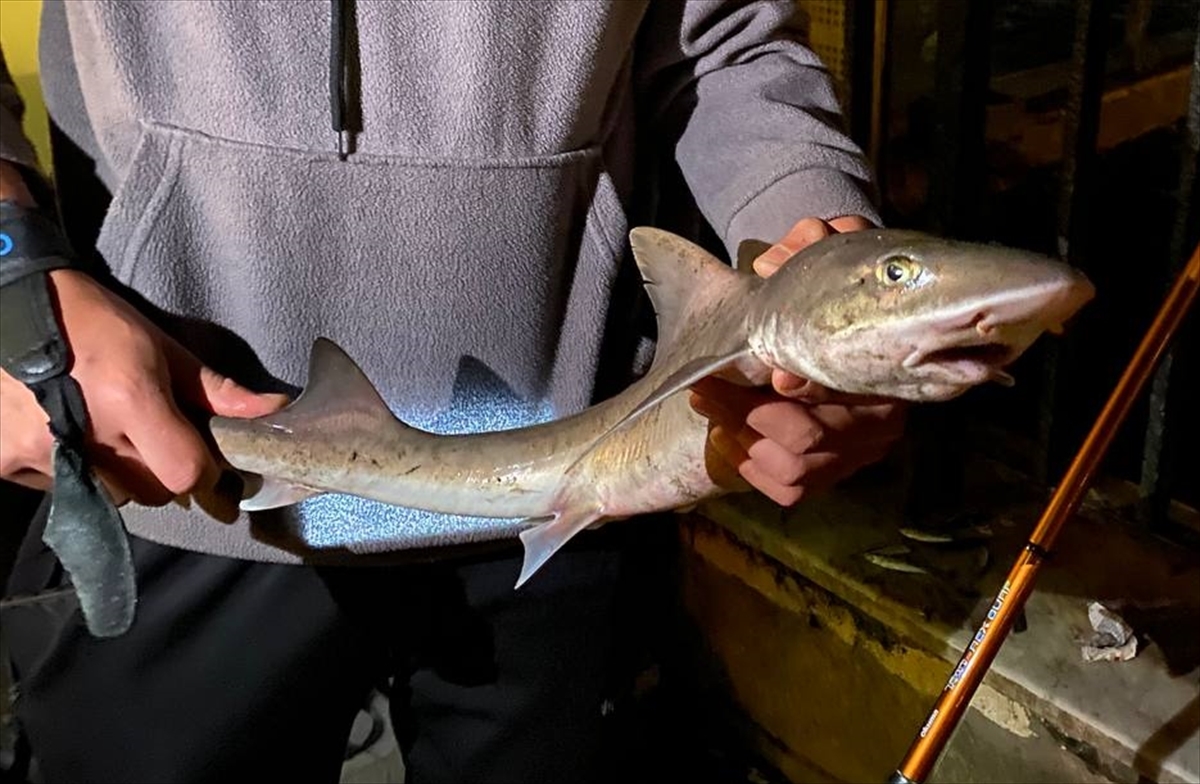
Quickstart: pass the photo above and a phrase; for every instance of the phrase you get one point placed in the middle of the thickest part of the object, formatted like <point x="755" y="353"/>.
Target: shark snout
<point x="1044" y="305"/>
<point x="974" y="343"/>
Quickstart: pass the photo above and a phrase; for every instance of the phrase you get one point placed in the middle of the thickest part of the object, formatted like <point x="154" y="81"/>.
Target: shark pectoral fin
<point x="681" y="379"/>
<point x="543" y="541"/>
<point x="676" y="382"/>
<point x="265" y="492"/>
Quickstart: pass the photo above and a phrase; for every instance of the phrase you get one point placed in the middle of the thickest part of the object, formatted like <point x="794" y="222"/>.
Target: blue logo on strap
<point x="6" y="244"/>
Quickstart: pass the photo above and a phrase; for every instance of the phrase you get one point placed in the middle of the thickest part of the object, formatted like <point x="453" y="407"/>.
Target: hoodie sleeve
<point x="758" y="126"/>
<point x="14" y="147"/>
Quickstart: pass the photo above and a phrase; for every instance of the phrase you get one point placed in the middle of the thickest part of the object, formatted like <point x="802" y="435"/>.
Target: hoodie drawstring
<point x="338" y="77"/>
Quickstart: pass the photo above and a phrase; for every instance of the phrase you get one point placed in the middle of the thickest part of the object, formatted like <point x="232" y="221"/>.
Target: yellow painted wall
<point x="19" y="39"/>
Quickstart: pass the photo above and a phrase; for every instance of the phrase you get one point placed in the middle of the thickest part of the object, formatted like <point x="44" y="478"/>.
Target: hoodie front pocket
<point x="426" y="271"/>
<point x="138" y="201"/>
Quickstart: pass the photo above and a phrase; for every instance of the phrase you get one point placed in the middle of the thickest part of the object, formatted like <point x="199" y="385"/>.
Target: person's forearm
<point x="12" y="185"/>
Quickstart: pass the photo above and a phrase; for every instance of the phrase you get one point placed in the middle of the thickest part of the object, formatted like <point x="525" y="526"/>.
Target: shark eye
<point x="898" y="271"/>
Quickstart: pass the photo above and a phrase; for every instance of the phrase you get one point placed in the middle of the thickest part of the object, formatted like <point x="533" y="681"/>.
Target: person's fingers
<point x="790" y="425"/>
<point x="789" y="384"/>
<point x="726" y="401"/>
<point x="727" y="446"/>
<point x="848" y="425"/>
<point x="820" y="476"/>
<point x="118" y="493"/>
<point x="721" y="467"/>
<point x="847" y="223"/>
<point x="25" y="438"/>
<point x="804" y="233"/>
<point x="784" y="421"/>
<point x="808" y="391"/>
<point x="30" y="478"/>
<point x="800" y="236"/>
<point x="26" y="449"/>
<point x="818" y="458"/>
<point x="817" y="469"/>
<point x="122" y="468"/>
<point x="167" y="443"/>
<point x="782" y="465"/>
<point x="42" y="479"/>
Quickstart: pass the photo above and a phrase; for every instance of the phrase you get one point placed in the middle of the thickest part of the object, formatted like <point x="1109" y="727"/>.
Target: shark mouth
<point x="974" y="362"/>
<point x="975" y="343"/>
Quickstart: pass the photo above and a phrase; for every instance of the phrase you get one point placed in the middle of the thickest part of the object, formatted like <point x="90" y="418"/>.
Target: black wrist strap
<point x="84" y="528"/>
<point x="30" y="241"/>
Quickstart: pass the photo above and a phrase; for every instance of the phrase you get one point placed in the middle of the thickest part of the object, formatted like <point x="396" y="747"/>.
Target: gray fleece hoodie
<point x="465" y="253"/>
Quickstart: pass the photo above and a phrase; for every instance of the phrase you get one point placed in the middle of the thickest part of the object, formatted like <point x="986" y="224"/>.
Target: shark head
<point x="906" y="315"/>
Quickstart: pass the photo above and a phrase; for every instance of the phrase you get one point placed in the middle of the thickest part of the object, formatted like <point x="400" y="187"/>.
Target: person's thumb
<point x="225" y="397"/>
<point x="208" y="390"/>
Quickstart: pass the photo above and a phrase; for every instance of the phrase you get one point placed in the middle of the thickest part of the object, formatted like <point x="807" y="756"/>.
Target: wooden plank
<point x="1126" y="112"/>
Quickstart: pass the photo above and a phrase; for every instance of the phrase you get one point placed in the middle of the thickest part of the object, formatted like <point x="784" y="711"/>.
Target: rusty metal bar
<point x="880" y="85"/>
<point x="1137" y="16"/>
<point x="1077" y="181"/>
<point x="961" y="89"/>
<point x="868" y="29"/>
<point x="957" y="191"/>
<point x="1161" y="446"/>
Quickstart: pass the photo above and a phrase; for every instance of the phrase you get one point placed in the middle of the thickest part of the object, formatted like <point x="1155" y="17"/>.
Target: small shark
<point x="881" y="312"/>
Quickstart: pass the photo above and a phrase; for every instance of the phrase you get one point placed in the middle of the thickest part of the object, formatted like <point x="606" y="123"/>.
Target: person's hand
<point x="796" y="436"/>
<point x="134" y="379"/>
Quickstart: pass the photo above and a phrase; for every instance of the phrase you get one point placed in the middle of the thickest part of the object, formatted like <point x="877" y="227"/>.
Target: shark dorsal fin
<point x="338" y="397"/>
<point x="336" y="387"/>
<point x="677" y="274"/>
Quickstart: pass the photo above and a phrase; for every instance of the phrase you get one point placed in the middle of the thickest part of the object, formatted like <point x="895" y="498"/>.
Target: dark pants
<point x="245" y="668"/>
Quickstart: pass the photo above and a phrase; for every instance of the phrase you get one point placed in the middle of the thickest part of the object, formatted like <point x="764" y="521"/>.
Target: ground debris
<point x="1113" y="639"/>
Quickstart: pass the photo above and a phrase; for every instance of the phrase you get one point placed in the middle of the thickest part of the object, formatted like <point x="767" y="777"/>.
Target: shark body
<point x="883" y="312"/>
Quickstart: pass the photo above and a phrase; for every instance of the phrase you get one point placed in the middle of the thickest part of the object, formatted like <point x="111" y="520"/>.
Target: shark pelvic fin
<point x="543" y="541"/>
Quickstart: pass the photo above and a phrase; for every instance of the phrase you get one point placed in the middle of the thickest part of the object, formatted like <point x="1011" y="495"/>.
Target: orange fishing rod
<point x="975" y="661"/>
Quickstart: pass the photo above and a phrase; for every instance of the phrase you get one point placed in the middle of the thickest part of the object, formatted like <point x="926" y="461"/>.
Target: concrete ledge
<point x="830" y="629"/>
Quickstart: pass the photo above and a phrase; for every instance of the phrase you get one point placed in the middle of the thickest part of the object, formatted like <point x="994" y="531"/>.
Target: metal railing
<point x="1117" y="58"/>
